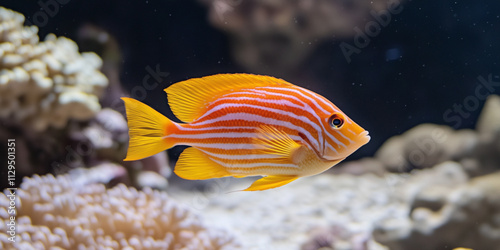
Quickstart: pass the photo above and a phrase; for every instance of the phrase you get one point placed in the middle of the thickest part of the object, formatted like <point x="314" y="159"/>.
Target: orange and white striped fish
<point x="245" y="125"/>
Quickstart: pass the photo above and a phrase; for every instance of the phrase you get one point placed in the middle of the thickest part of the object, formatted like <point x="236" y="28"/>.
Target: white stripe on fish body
<point x="221" y="128"/>
<point x="322" y="100"/>
<point x="221" y="135"/>
<point x="325" y="102"/>
<point x="330" y="146"/>
<point x="272" y="110"/>
<point x="352" y="132"/>
<point x="222" y="146"/>
<point x="311" y="110"/>
<point x="306" y="97"/>
<point x="284" y="113"/>
<point x="265" y="91"/>
<point x="249" y="166"/>
<point x="307" y="108"/>
<point x="241" y="157"/>
<point x="265" y="171"/>
<point x="209" y="135"/>
<point x="343" y="136"/>
<point x="249" y="117"/>
<point x="278" y="103"/>
<point x="218" y="107"/>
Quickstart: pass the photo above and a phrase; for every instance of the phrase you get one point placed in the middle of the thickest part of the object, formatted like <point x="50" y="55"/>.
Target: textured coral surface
<point x="64" y="213"/>
<point x="45" y="83"/>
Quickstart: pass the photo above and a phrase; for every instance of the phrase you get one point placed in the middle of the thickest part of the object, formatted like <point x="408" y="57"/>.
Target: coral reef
<point x="44" y="84"/>
<point x="61" y="213"/>
<point x="450" y="190"/>
<point x="49" y="97"/>
<point x="425" y="146"/>
<point x="275" y="36"/>
<point x="343" y="208"/>
<point x="448" y="216"/>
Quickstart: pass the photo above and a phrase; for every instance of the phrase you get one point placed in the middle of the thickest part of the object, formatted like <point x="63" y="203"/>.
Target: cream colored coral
<point x="56" y="213"/>
<point x="45" y="83"/>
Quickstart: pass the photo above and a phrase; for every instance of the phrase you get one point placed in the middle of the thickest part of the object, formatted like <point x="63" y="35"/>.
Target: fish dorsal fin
<point x="270" y="140"/>
<point x="188" y="99"/>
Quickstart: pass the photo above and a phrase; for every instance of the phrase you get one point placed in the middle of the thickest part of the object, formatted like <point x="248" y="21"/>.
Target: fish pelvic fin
<point x="272" y="181"/>
<point x="271" y="140"/>
<point x="147" y="130"/>
<point x="188" y="99"/>
<point x="193" y="164"/>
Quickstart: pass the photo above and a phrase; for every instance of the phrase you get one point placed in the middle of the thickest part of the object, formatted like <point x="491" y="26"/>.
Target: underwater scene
<point x="250" y="124"/>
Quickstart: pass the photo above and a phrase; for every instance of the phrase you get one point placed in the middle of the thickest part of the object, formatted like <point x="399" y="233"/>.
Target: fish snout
<point x="363" y="138"/>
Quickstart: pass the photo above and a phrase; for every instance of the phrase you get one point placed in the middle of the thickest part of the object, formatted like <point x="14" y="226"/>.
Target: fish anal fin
<point x="193" y="164"/>
<point x="271" y="140"/>
<point x="188" y="99"/>
<point x="272" y="181"/>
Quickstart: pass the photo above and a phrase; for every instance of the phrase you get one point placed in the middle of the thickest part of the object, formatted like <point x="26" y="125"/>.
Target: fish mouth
<point x="363" y="138"/>
<point x="360" y="140"/>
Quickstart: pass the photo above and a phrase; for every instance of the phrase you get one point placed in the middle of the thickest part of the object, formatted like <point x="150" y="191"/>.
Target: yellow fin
<point x="196" y="165"/>
<point x="272" y="181"/>
<point x="271" y="140"/>
<point x="188" y="99"/>
<point x="147" y="129"/>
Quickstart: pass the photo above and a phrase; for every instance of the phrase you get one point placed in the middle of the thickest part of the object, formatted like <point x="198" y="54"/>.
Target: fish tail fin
<point x="147" y="130"/>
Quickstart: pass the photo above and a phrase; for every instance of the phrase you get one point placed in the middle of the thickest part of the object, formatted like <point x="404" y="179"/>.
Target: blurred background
<point x="390" y="65"/>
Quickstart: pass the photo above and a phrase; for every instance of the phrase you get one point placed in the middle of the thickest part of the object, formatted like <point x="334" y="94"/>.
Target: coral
<point x="487" y="153"/>
<point x="60" y="213"/>
<point x="105" y="173"/>
<point x="466" y="215"/>
<point x="44" y="84"/>
<point x="425" y="146"/>
<point x="272" y="36"/>
<point x="478" y="151"/>
<point x="106" y="134"/>
<point x="49" y="98"/>
<point x="106" y="137"/>
<point x="337" y="237"/>
<point x="342" y="208"/>
<point x="489" y="120"/>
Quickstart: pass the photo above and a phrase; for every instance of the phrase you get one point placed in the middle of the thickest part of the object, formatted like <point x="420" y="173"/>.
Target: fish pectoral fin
<point x="271" y="140"/>
<point x="272" y="181"/>
<point x="193" y="164"/>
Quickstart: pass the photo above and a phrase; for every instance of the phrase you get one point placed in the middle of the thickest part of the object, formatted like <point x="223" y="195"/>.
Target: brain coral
<point x="55" y="213"/>
<point x="45" y="83"/>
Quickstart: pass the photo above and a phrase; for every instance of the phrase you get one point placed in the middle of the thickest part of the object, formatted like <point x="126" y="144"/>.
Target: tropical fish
<point x="245" y="125"/>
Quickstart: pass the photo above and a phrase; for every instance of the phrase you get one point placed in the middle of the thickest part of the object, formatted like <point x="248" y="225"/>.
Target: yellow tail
<point x="147" y="130"/>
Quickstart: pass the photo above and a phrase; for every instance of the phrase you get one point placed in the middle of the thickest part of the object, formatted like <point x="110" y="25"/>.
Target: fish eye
<point x="336" y="121"/>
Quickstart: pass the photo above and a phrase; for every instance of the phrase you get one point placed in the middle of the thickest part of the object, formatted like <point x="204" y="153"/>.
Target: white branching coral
<point x="55" y="213"/>
<point x="45" y="83"/>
